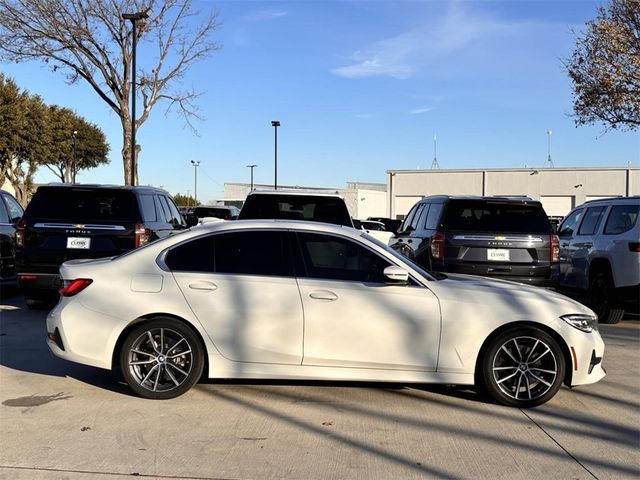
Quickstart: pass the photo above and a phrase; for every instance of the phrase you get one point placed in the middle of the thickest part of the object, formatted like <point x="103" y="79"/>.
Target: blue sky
<point x="359" y="88"/>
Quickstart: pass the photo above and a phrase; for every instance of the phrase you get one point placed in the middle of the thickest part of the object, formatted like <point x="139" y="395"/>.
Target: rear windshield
<point x="83" y="204"/>
<point x="292" y="207"/>
<point x="479" y="216"/>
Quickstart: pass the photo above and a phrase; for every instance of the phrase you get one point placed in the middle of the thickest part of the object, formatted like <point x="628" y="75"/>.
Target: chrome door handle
<point x="323" y="295"/>
<point x="206" y="286"/>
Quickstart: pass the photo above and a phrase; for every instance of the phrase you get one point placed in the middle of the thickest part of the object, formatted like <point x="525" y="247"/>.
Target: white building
<point x="559" y="189"/>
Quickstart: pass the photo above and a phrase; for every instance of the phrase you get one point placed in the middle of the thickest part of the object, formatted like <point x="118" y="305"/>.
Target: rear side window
<point x="419" y="218"/>
<point x="4" y="214"/>
<point x="148" y="208"/>
<point x="592" y="219"/>
<point x="240" y="253"/>
<point x="621" y="219"/>
<point x="293" y="207"/>
<point x="84" y="205"/>
<point x="433" y="218"/>
<point x="252" y="253"/>
<point x="192" y="256"/>
<point x="479" y="216"/>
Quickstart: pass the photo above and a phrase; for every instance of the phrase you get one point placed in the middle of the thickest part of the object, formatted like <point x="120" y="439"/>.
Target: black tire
<point x="531" y="360"/>
<point x="166" y="368"/>
<point x="602" y="299"/>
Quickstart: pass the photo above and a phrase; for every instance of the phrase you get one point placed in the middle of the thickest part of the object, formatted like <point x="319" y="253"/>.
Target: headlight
<point x="586" y="323"/>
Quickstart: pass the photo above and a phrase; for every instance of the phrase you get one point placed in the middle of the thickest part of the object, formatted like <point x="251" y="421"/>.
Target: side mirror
<point x="192" y="220"/>
<point x="396" y="275"/>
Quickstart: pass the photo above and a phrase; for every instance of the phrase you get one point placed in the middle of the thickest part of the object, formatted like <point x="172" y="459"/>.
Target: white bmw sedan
<point x="301" y="300"/>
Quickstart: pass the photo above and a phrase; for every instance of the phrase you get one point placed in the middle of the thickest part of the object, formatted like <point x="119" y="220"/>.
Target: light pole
<point x="275" y="124"/>
<point x="134" y="17"/>
<point x="549" y="132"/>
<point x="251" y="167"/>
<point x="75" y="157"/>
<point x="195" y="181"/>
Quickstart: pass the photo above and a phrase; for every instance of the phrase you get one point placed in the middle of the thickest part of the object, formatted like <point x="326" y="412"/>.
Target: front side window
<point x="15" y="210"/>
<point x="334" y="258"/>
<point x="571" y="223"/>
<point x="176" y="218"/>
<point x="621" y="219"/>
<point x="591" y="221"/>
<point x="409" y="218"/>
<point x="420" y="217"/>
<point x="4" y="215"/>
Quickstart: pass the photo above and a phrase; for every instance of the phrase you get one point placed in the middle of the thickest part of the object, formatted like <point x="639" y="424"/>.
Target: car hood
<point x="513" y="292"/>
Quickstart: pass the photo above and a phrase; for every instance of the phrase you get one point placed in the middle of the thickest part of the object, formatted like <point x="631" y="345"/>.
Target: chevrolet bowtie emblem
<point x="78" y="225"/>
<point x="500" y="237"/>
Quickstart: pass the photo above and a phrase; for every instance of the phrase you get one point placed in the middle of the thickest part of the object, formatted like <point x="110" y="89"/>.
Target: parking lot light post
<point x="275" y="124"/>
<point x="134" y="17"/>
<point x="195" y="181"/>
<point x="251" y="167"/>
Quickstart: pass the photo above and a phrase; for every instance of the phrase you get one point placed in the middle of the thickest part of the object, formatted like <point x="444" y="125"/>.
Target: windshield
<point x="425" y="273"/>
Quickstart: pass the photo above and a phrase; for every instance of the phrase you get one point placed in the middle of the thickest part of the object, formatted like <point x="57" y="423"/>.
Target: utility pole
<point x="75" y="159"/>
<point x="549" y="161"/>
<point x="251" y="167"/>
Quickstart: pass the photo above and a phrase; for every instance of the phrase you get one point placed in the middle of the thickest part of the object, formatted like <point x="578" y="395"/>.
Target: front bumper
<point x="586" y="359"/>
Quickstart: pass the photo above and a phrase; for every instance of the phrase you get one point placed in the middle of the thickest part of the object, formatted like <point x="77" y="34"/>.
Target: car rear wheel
<point x="522" y="367"/>
<point x="161" y="359"/>
<point x="602" y="299"/>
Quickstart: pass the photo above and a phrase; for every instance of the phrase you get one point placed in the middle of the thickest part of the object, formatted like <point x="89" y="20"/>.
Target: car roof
<point x="505" y="198"/>
<point x="284" y="224"/>
<point x="296" y="193"/>
<point x="137" y="188"/>
<point x="633" y="199"/>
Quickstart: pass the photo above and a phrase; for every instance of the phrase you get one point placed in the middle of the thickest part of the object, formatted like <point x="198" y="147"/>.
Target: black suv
<point x="10" y="214"/>
<point x="504" y="237"/>
<point x="64" y="222"/>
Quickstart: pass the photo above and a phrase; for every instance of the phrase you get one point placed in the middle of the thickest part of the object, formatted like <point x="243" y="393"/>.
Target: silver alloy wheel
<point x="160" y="359"/>
<point x="524" y="368"/>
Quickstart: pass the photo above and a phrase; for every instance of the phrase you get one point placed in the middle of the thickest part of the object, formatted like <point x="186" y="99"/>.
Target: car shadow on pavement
<point x="23" y="347"/>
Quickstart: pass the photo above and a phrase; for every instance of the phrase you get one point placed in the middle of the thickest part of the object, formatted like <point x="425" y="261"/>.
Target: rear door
<point x="241" y="287"/>
<point x="581" y="245"/>
<point x="566" y="232"/>
<point x="65" y="223"/>
<point x="496" y="237"/>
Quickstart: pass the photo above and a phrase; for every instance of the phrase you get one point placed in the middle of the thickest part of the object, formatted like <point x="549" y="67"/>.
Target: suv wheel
<point x="602" y="299"/>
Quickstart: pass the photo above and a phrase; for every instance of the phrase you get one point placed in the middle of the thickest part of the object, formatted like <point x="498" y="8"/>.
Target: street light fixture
<point x="275" y="124"/>
<point x="134" y="18"/>
<point x="195" y="181"/>
<point x="251" y="167"/>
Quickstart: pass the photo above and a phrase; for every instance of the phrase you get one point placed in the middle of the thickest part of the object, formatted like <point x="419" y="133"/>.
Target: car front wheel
<point x="522" y="367"/>
<point x="161" y="359"/>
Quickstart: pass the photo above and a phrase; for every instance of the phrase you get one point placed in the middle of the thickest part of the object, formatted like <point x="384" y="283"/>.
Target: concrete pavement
<point x="62" y="420"/>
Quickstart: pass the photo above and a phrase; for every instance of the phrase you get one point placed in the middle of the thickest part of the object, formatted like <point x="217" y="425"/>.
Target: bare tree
<point x="89" y="40"/>
<point x="605" y="68"/>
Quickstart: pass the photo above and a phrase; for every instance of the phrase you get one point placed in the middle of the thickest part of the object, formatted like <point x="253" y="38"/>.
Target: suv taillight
<point x="143" y="235"/>
<point x="437" y="245"/>
<point x="634" y="246"/>
<point x="21" y="231"/>
<point x="554" y="251"/>
<point x="75" y="286"/>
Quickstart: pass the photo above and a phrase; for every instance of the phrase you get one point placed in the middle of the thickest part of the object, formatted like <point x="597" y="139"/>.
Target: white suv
<point x="600" y="254"/>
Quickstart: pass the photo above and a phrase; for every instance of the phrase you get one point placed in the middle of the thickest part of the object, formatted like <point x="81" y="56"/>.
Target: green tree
<point x="23" y="139"/>
<point x="605" y="68"/>
<point x="184" y="200"/>
<point x="74" y="144"/>
<point x="89" y="40"/>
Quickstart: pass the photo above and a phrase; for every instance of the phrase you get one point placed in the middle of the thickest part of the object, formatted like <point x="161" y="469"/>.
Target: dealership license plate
<point x="78" y="242"/>
<point x="498" y="254"/>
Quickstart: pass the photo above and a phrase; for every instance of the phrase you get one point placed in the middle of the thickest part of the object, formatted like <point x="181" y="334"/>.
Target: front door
<point x="354" y="319"/>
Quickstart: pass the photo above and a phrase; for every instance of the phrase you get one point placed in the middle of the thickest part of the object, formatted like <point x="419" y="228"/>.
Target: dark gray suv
<point x="503" y="237"/>
<point x="65" y="222"/>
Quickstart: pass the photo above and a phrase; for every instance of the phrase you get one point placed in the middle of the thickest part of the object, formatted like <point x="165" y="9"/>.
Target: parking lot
<point x="62" y="420"/>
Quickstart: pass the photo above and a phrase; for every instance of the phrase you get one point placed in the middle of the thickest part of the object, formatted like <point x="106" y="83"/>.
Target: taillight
<point x="437" y="246"/>
<point x="143" y="235"/>
<point x="75" y="286"/>
<point x="21" y="230"/>
<point x="554" y="251"/>
<point x="634" y="247"/>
